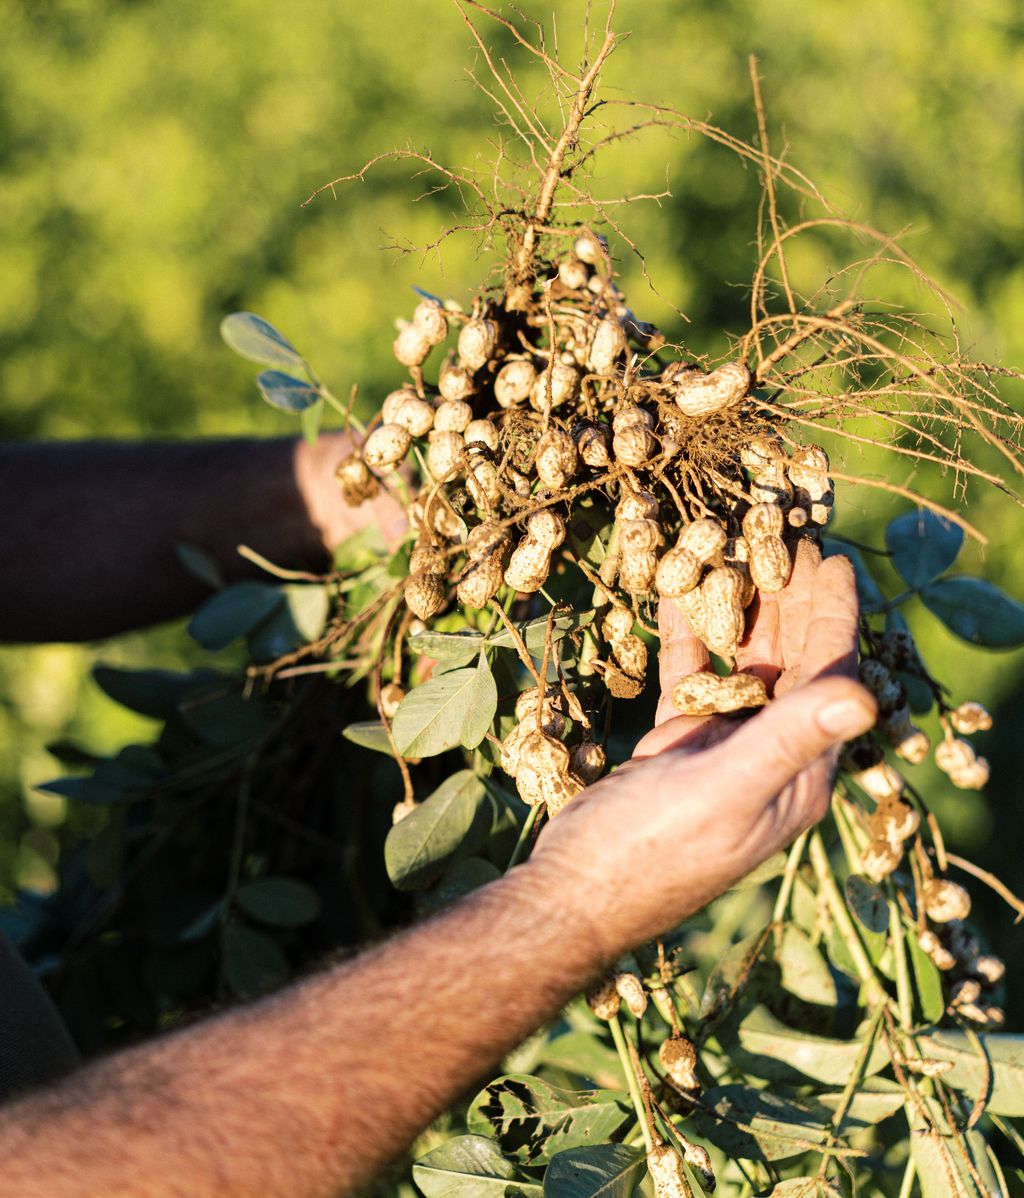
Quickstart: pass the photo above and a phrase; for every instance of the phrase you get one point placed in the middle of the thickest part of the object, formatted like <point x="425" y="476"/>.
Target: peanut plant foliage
<point x="833" y="1024"/>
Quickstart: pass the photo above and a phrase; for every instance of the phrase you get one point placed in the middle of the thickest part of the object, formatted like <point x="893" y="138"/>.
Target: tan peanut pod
<point x="444" y="520"/>
<point x="452" y="416"/>
<point x="940" y="956"/>
<point x="482" y="484"/>
<point x="637" y="572"/>
<point x="393" y="401"/>
<point x="635" y="446"/>
<point x="527" y="713"/>
<point x="908" y="741"/>
<point x="546" y="527"/>
<point x="411" y="347"/>
<point x="588" y="762"/>
<point x="701" y="395"/>
<point x="486" y="540"/>
<point x="514" y="382"/>
<point x="665" y="1166"/>
<point x="480" y="581"/>
<point x="554" y="386"/>
<point x="455" y="382"/>
<point x="965" y="991"/>
<point x="879" y="859"/>
<point x="560" y="790"/>
<point x="556" y="459"/>
<point x="970" y="717"/>
<point x="995" y="1018"/>
<point x="603" y="999"/>
<point x="632" y="416"/>
<point x="639" y="536"/>
<point x="991" y="970"/>
<point x="678" y="571"/>
<point x="631" y="656"/>
<point x="588" y="248"/>
<point x="391" y="694"/>
<point x="354" y="480"/>
<point x="424" y="594"/>
<point x="900" y="821"/>
<point x="608" y="346"/>
<point x="631" y="991"/>
<point x="761" y="452"/>
<point x="706" y="694"/>
<point x="428" y="559"/>
<point x="637" y="505"/>
<point x="692" y="605"/>
<point x="772" y="486"/>
<point x="478" y="339"/>
<point x="541" y="760"/>
<point x="386" y="446"/>
<point x="770" y="564"/>
<point x="444" y="453"/>
<point x="620" y="685"/>
<point x="415" y="415"/>
<point x="945" y="900"/>
<point x="699" y="1159"/>
<point x="593" y="442"/>
<point x="572" y="274"/>
<point x="617" y="624"/>
<point x="678" y="1057"/>
<point x="881" y="781"/>
<point x="431" y="320"/>
<point x="528" y="567"/>
<point x="724" y="621"/>
<point x="482" y="432"/>
<point x="808" y="470"/>
<point x="705" y="539"/>
<point x="763" y="520"/>
<point x="821" y="512"/>
<point x="953" y="755"/>
<point x="736" y="553"/>
<point x="972" y="777"/>
<point x="519" y="483"/>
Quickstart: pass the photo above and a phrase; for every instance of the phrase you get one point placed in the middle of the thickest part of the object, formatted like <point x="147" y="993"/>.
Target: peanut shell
<point x="386" y="446"/>
<point x="702" y="395"/>
<point x="707" y="694"/>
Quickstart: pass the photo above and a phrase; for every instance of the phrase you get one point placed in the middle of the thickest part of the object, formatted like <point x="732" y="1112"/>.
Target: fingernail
<point x="846" y="718"/>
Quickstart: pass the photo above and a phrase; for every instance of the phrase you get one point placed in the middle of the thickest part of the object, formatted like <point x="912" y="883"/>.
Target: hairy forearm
<point x="88" y="533"/>
<point x="312" y="1091"/>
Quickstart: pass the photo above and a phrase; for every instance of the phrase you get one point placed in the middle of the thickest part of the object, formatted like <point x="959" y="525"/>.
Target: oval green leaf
<point x="421" y="846"/>
<point x="431" y="717"/>
<point x="923" y="545"/>
<point x="774" y="1128"/>
<point x="279" y="902"/>
<point x="369" y="734"/>
<point x="253" y="961"/>
<point x="233" y="612"/>
<point x="782" y="1050"/>
<point x="805" y="971"/>
<point x="976" y="610"/>
<point x="455" y="648"/>
<point x="285" y="392"/>
<point x="601" y="1171"/>
<point x="970" y="1072"/>
<point x="256" y="339"/>
<point x="483" y="705"/>
<point x="471" y="1167"/>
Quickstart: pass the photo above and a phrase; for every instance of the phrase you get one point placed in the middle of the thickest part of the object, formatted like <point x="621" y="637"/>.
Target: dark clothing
<point x="35" y="1046"/>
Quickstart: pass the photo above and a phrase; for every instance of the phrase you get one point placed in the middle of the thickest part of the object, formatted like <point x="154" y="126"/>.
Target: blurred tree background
<point x="154" y="157"/>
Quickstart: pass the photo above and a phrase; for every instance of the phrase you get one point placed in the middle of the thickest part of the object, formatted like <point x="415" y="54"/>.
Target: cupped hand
<point x="705" y="800"/>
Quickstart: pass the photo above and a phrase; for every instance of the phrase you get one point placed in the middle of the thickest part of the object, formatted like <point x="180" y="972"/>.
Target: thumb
<point x="768" y="752"/>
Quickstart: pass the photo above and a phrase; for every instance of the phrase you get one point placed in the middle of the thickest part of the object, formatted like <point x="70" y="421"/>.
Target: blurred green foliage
<point x="154" y="156"/>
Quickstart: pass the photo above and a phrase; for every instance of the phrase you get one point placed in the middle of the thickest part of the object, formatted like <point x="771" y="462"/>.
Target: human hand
<point x="705" y="800"/>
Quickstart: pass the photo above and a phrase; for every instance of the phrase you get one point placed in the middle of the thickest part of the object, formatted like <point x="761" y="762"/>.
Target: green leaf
<point x="765" y="872"/>
<point x="234" y="612"/>
<point x="83" y="790"/>
<point x="587" y="1056"/>
<point x="802" y="1187"/>
<point x="774" y="1128"/>
<point x="255" y="339"/>
<point x="253" y="961"/>
<point x="805" y="971"/>
<point x="431" y="717"/>
<point x="483" y="705"/>
<point x="455" y="648"/>
<point x="1005" y="1054"/>
<point x="534" y="632"/>
<point x="279" y="902"/>
<point x="361" y="550"/>
<point x="867" y="902"/>
<point x="727" y="971"/>
<point x="923" y="545"/>
<point x="200" y="565"/>
<point x="300" y="621"/>
<point x="868" y="591"/>
<point x="225" y="720"/>
<point x="533" y="1120"/>
<point x="824" y="1059"/>
<point x="601" y="1171"/>
<point x="155" y="693"/>
<point x="942" y="1171"/>
<point x="976" y="610"/>
<point x="285" y="392"/>
<point x="421" y="846"/>
<point x="876" y="1099"/>
<point x="471" y="1167"/>
<point x="370" y="735"/>
<point x="928" y="982"/>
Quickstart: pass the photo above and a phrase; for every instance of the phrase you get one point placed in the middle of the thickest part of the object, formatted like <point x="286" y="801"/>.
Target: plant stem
<point x="908" y="1179"/>
<point x="796" y="854"/>
<point x="522" y="849"/>
<point x="631" y="1081"/>
<point x="904" y="996"/>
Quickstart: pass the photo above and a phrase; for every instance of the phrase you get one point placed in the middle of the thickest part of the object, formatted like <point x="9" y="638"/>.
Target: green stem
<point x="796" y="854"/>
<point x="908" y="1179"/>
<point x="874" y="991"/>
<point x="351" y="420"/>
<point x="846" y="835"/>
<point x="522" y="849"/>
<point x="627" y="1068"/>
<point x="904" y="996"/>
<point x="899" y="599"/>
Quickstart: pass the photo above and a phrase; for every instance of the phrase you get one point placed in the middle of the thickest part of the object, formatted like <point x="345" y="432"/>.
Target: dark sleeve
<point x="35" y="1046"/>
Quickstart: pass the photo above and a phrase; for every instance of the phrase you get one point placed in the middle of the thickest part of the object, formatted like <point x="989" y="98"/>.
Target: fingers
<point x="795" y="603"/>
<point x="832" y="632"/>
<point x="761" y="652"/>
<point x="681" y="654"/>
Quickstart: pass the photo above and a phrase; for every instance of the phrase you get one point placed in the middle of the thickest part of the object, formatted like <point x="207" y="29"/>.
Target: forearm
<point x="88" y="534"/>
<point x="313" y="1091"/>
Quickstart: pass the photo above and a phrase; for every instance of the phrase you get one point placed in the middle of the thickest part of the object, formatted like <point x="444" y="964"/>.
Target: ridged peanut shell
<point x="452" y="416"/>
<point x="705" y="693"/>
<point x="588" y="762"/>
<point x="637" y="572"/>
<point x="945" y="901"/>
<point x="593" y="442"/>
<point x="514" y="382"/>
<point x="355" y="481"/>
<point x="631" y="991"/>
<point x="444" y="453"/>
<point x="480" y="581"/>
<point x="482" y="432"/>
<point x="705" y="539"/>
<point x="678" y="571"/>
<point x="554" y="387"/>
<point x="723" y="603"/>
<point x="415" y="415"/>
<point x="411" y="347"/>
<point x="635" y="446"/>
<point x="556" y="459"/>
<point x="478" y="339"/>
<point x="702" y="395"/>
<point x="632" y="416"/>
<point x="455" y="382"/>
<point x="428" y="559"/>
<point x="546" y="527"/>
<point x="631" y="656"/>
<point x="424" y="594"/>
<point x="763" y="520"/>
<point x="770" y="564"/>
<point x="637" y="505"/>
<point x="608" y="346"/>
<point x="482" y="483"/>
<point x="393" y="401"/>
<point x="528" y="567"/>
<point x="386" y="446"/>
<point x="665" y="1166"/>
<point x="618" y="623"/>
<point x="431" y="320"/>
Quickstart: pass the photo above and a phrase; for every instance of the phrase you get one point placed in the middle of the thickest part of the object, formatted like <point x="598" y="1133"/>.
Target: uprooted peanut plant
<point x="566" y="469"/>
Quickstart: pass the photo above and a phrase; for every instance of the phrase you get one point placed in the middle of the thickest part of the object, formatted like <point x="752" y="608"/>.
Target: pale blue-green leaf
<point x="471" y="1167"/>
<point x="255" y="339"/>
<point x="200" y="564"/>
<point x="942" y="1170"/>
<point x="734" y="963"/>
<point x="431" y="717"/>
<point x="1005" y="1058"/>
<point x="361" y="550"/>
<point x="223" y="720"/>
<point x="826" y="1060"/>
<point x="279" y="902"/>
<point x="155" y="693"/>
<point x="922" y="545"/>
<point x="422" y="845"/>
<point x="535" y="631"/>
<point x="774" y="1128"/>
<point x="876" y="1099"/>
<point x="927" y="982"/>
<point x="601" y="1171"/>
<point x="253" y="961"/>
<point x="369" y="734"/>
<point x="285" y="392"/>
<point x="868" y="591"/>
<point x="805" y="971"/>
<point x="308" y="605"/>
<point x="867" y="902"/>
<point x="483" y="705"/>
<point x="976" y="610"/>
<point x="587" y="1056"/>
<point x="533" y="1120"/>
<point x="234" y="612"/>
<point x="453" y="648"/>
